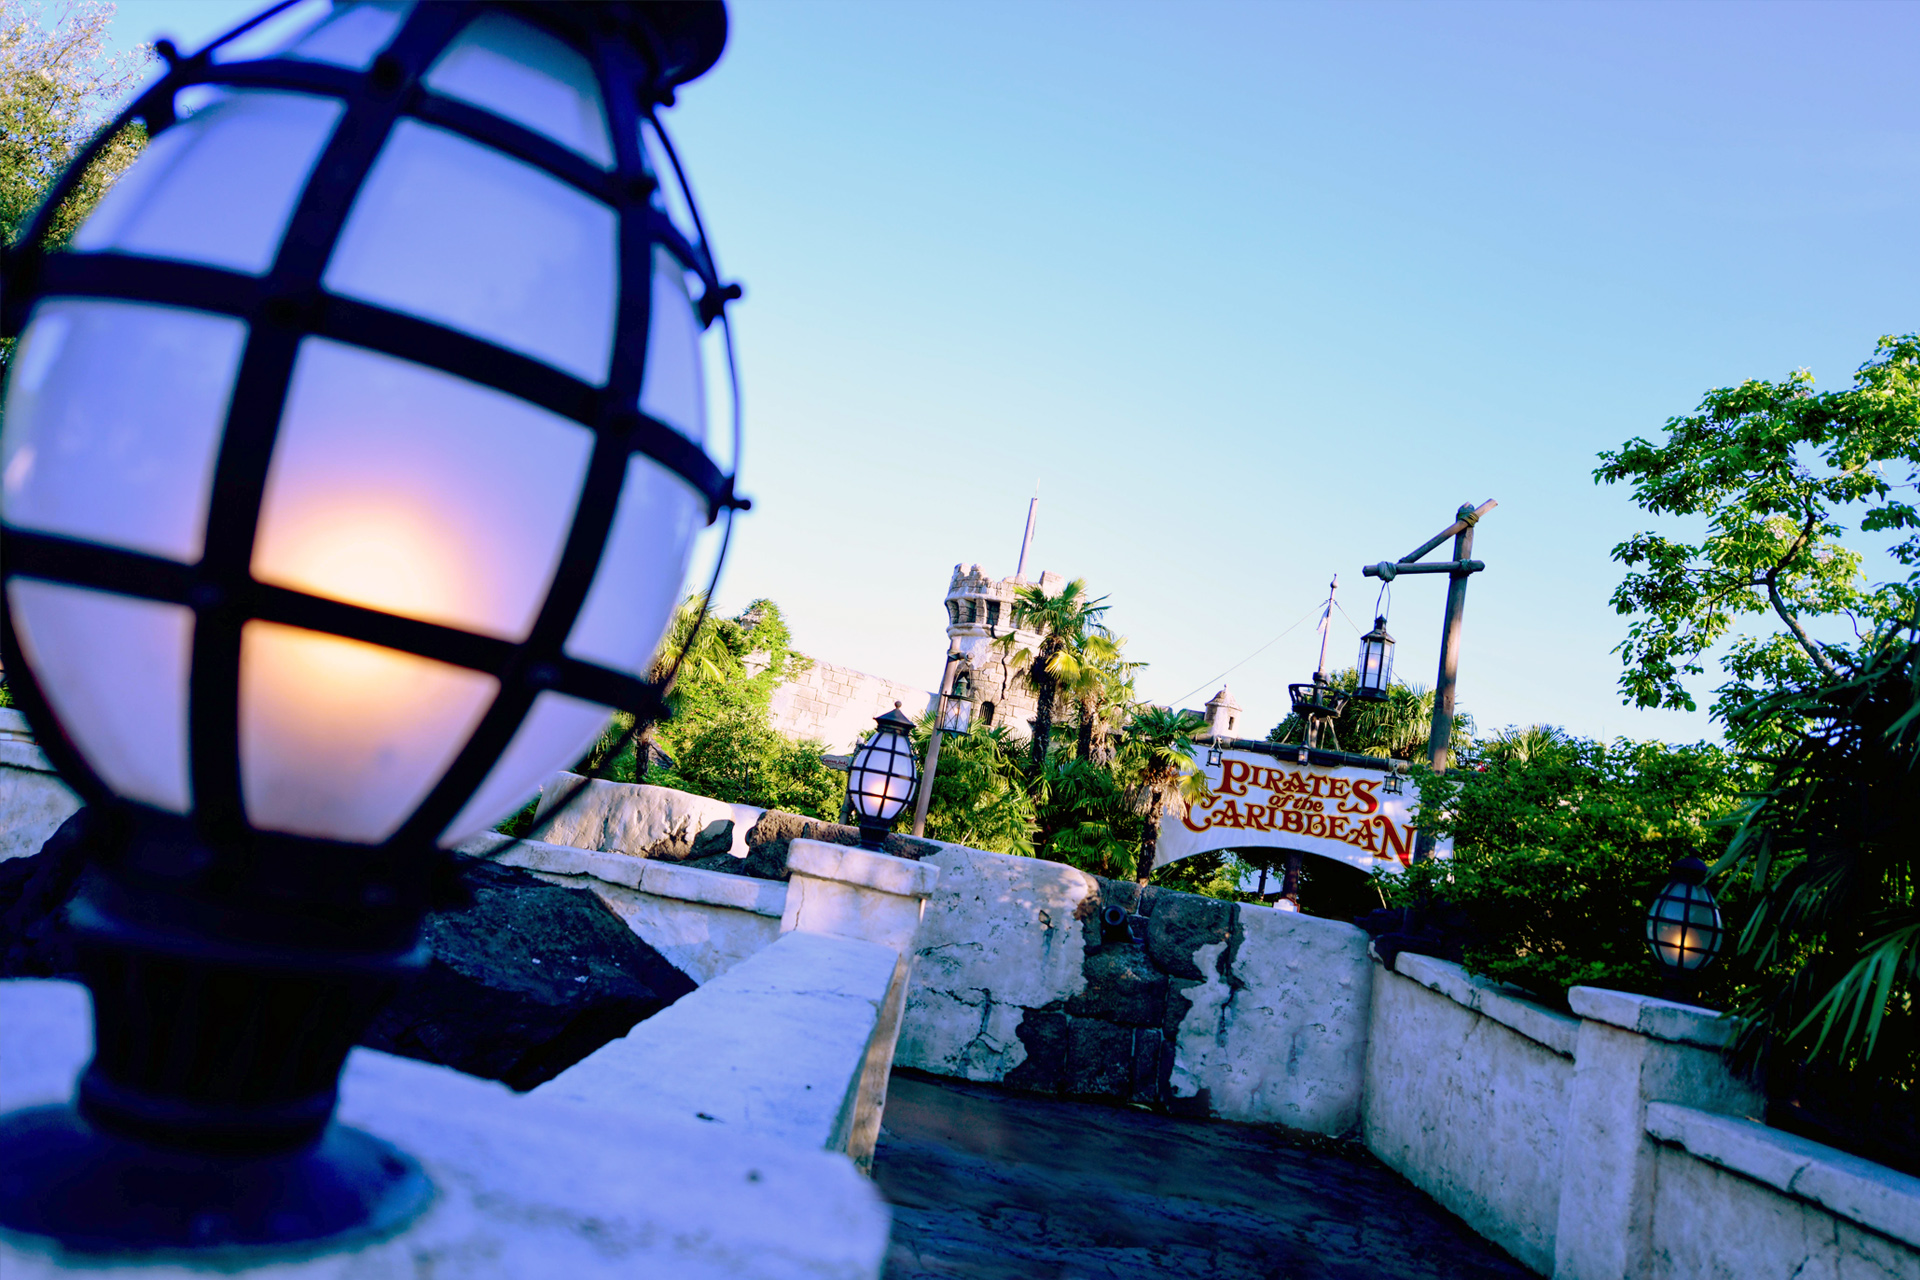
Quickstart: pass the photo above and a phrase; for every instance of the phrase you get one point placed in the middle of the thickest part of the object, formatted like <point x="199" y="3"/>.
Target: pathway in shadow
<point x="989" y="1184"/>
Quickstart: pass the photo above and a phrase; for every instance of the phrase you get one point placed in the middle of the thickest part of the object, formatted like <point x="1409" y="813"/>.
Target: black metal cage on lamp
<point x="881" y="777"/>
<point x="1684" y="929"/>
<point x="353" y="457"/>
<point x="1375" y="665"/>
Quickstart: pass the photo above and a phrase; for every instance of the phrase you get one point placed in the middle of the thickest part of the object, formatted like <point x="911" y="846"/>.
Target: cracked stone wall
<point x="1707" y="1221"/>
<point x="1190" y="1005"/>
<point x="1472" y="1111"/>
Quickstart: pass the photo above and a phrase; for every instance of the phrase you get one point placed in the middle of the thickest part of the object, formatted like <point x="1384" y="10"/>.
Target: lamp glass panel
<point x="218" y="187"/>
<point x="1684" y="926"/>
<point x="342" y="740"/>
<point x="127" y="459"/>
<point x="352" y="35"/>
<point x="502" y="65"/>
<point x="557" y="731"/>
<point x="638" y="583"/>
<point x="114" y="671"/>
<point x="408" y="490"/>
<point x="452" y="231"/>
<point x="882" y="776"/>
<point x="675" y="386"/>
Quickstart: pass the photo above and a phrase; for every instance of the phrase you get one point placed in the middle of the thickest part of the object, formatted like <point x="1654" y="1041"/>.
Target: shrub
<point x="1560" y="844"/>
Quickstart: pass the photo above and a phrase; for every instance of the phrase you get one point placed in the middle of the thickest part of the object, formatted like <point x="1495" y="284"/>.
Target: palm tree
<point x="1396" y="729"/>
<point x="1098" y="681"/>
<point x="1161" y="741"/>
<point x="1065" y="624"/>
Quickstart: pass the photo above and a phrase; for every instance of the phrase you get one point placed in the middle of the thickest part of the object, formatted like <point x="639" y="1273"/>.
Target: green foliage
<point x="1089" y="817"/>
<point x="1071" y="631"/>
<point x="1829" y="848"/>
<point x="1396" y="729"/>
<point x="1773" y="468"/>
<point x="739" y="758"/>
<point x="1561" y="843"/>
<point x="980" y="797"/>
<point x="57" y="87"/>
<point x="719" y="736"/>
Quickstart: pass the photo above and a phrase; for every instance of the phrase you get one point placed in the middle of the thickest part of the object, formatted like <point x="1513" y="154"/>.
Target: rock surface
<point x="34" y="891"/>
<point x="526" y="980"/>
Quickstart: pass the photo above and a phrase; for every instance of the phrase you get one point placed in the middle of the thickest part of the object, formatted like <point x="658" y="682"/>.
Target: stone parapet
<point x="525" y="1185"/>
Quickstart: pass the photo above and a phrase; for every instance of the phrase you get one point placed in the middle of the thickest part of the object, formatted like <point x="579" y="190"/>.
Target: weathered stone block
<point x="1121" y="987"/>
<point x="1180" y="925"/>
<point x="1099" y="1059"/>
<point x="1044" y="1033"/>
<point x="1151" y="1066"/>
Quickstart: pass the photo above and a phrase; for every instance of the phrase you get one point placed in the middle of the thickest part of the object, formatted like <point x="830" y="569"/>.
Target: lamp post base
<point x="92" y="1192"/>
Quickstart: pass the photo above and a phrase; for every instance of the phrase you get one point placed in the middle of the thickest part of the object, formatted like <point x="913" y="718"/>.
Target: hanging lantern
<point x="956" y="707"/>
<point x="1375" y="664"/>
<point x="881" y="777"/>
<point x="1683" y="926"/>
<point x="353" y="456"/>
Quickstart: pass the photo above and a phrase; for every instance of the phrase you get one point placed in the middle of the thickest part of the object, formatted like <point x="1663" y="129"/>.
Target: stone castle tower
<point x="979" y="611"/>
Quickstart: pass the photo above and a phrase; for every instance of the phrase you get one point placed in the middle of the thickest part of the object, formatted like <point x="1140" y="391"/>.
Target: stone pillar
<point x="1631" y="1050"/>
<point x="856" y="893"/>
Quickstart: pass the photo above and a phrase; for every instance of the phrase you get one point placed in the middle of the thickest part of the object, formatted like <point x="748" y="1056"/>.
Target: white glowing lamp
<point x="353" y="457"/>
<point x="882" y="776"/>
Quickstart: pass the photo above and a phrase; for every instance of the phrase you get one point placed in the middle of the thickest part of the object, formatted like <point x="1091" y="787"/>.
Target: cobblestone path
<point x="988" y="1184"/>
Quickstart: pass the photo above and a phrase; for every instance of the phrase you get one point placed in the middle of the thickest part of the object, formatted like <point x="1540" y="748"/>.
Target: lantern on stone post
<point x="882" y="776"/>
<point x="1684" y="929"/>
<point x="353" y="455"/>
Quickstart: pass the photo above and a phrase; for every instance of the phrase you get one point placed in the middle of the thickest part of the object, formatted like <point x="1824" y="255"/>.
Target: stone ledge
<point x="524" y="1186"/>
<point x="775" y="1045"/>
<point x="21" y="753"/>
<point x="647" y="875"/>
<point x="1651" y="1016"/>
<point x="1858" y="1190"/>
<point x="862" y="867"/>
<point x="1545" y="1027"/>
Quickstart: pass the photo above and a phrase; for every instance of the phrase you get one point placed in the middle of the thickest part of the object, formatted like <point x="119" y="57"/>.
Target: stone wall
<point x="836" y="705"/>
<point x="1615" y="1143"/>
<point x="33" y="800"/>
<point x="1187" y="1004"/>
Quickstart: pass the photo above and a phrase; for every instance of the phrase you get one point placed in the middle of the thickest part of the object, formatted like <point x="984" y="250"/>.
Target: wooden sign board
<point x="1260" y="801"/>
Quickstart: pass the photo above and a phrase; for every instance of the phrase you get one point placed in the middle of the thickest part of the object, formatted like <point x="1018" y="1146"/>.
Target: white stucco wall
<point x="836" y="705"/>
<point x="1735" y="1198"/>
<point x="1283" y="1038"/>
<point x="1469" y="1109"/>
<point x="999" y="938"/>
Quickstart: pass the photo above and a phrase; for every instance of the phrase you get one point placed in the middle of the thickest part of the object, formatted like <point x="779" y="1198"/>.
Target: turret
<point x="1223" y="715"/>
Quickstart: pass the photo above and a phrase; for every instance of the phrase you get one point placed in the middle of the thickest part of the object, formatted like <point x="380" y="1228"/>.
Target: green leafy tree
<point x="719" y="736"/>
<point x="1397" y="728"/>
<point x="1159" y="742"/>
<point x="1774" y="469"/>
<point x="1559" y="846"/>
<point x="738" y="757"/>
<point x="980" y="798"/>
<point x="1099" y="684"/>
<point x="1829" y="848"/>
<point x="58" y="87"/>
<point x="1065" y="623"/>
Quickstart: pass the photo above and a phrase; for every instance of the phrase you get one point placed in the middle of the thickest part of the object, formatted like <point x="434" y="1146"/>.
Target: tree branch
<point x="1814" y="651"/>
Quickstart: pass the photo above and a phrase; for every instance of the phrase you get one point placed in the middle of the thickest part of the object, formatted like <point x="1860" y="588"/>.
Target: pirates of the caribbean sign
<point x="1339" y="811"/>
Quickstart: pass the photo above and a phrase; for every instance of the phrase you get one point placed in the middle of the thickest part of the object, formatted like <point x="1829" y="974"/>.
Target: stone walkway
<point x="988" y="1184"/>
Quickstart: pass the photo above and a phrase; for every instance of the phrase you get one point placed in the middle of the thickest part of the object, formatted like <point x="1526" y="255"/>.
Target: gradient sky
<point x="1258" y="293"/>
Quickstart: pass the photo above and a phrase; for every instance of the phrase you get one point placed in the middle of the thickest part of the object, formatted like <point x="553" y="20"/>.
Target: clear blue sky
<point x="1259" y="293"/>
